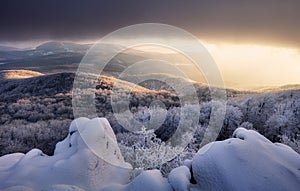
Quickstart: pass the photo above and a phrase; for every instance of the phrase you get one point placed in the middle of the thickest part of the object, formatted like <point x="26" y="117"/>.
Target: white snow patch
<point x="64" y="188"/>
<point x="180" y="178"/>
<point x="147" y="181"/>
<point x="47" y="53"/>
<point x="9" y="160"/>
<point x="72" y="164"/>
<point x="247" y="162"/>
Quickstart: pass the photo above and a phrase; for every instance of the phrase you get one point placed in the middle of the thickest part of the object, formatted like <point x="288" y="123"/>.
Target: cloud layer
<point x="258" y="21"/>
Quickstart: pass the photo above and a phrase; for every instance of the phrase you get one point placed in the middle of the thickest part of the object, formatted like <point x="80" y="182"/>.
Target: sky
<point x="243" y="36"/>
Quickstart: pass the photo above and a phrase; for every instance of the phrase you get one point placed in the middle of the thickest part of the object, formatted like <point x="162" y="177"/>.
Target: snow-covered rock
<point x="9" y="160"/>
<point x="19" y="188"/>
<point x="63" y="188"/>
<point x="179" y="178"/>
<point x="73" y="162"/>
<point x="147" y="181"/>
<point x="248" y="161"/>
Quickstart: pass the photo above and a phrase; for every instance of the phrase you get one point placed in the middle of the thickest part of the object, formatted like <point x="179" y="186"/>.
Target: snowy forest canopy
<point x="36" y="112"/>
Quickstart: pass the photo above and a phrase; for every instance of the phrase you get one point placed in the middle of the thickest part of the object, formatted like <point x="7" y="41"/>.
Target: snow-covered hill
<point x="18" y="74"/>
<point x="42" y="106"/>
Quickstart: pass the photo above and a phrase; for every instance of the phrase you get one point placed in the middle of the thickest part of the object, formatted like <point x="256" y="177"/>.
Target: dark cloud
<point x="262" y="21"/>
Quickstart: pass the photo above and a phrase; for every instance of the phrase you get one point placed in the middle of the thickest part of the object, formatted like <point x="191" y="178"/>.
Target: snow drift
<point x="73" y="163"/>
<point x="248" y="161"/>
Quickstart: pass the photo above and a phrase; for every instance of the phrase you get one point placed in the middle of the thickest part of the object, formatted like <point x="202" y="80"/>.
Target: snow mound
<point x="64" y="188"/>
<point x="19" y="188"/>
<point x="73" y="163"/>
<point x="180" y="178"/>
<point x="248" y="161"/>
<point x="147" y="181"/>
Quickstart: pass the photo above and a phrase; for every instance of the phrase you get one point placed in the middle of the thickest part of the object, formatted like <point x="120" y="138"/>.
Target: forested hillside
<point x="36" y="112"/>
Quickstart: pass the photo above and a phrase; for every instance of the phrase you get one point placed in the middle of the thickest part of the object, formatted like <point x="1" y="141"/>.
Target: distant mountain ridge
<point x="8" y="48"/>
<point x="56" y="57"/>
<point x="277" y="88"/>
<point x="56" y="47"/>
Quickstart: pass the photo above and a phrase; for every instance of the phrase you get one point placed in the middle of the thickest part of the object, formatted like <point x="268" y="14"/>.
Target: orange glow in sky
<point x="246" y="66"/>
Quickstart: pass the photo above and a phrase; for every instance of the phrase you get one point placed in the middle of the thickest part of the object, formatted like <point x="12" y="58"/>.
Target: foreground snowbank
<point x="246" y="162"/>
<point x="73" y="163"/>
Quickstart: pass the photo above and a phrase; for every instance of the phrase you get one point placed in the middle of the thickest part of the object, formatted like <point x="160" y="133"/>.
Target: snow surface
<point x="150" y="180"/>
<point x="179" y="178"/>
<point x="248" y="161"/>
<point x="73" y="163"/>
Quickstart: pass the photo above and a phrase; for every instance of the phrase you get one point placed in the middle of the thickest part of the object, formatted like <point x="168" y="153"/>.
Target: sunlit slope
<point x="18" y="74"/>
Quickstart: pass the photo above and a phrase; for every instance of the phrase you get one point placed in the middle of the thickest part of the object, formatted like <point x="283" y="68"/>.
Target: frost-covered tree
<point x="145" y="150"/>
<point x="233" y="119"/>
<point x="293" y="143"/>
<point x="247" y="125"/>
<point x="274" y="127"/>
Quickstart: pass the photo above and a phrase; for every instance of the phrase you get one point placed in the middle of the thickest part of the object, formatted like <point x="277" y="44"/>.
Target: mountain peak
<point x="55" y="46"/>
